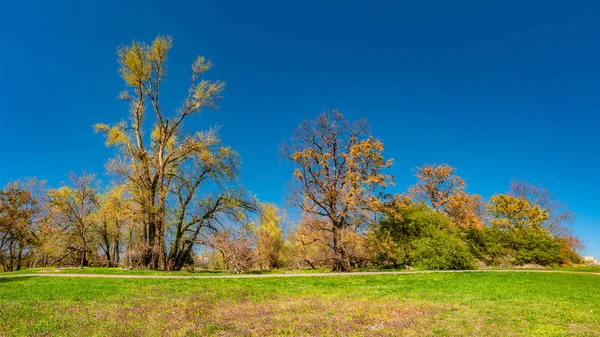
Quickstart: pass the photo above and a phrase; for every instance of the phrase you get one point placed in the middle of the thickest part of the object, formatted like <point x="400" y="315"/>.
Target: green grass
<point x="118" y="271"/>
<point x="486" y="304"/>
<point x="586" y="269"/>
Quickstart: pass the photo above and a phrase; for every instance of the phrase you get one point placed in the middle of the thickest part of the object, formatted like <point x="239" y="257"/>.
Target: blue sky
<point x="499" y="89"/>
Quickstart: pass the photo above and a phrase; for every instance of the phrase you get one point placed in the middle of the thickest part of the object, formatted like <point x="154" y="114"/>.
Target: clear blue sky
<point x="499" y="89"/>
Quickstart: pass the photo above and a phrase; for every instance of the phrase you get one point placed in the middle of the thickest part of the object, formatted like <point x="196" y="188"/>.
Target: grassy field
<point x="486" y="304"/>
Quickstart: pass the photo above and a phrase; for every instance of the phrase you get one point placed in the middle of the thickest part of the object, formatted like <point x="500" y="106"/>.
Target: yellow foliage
<point x="514" y="213"/>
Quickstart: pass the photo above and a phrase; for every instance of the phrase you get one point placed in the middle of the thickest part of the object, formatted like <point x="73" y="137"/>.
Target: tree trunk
<point x="11" y="256"/>
<point x="19" y="256"/>
<point x="340" y="260"/>
<point x="115" y="253"/>
<point x="83" y="258"/>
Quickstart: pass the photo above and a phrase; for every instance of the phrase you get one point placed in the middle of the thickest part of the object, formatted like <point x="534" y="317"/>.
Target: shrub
<point x="441" y="251"/>
<point x="537" y="248"/>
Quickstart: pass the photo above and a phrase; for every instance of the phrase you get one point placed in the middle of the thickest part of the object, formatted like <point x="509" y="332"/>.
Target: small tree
<point x="74" y="208"/>
<point x="22" y="207"/>
<point x="114" y="211"/>
<point x="269" y="237"/>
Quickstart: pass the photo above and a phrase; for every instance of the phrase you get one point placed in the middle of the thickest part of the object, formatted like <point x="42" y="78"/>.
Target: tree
<point x="516" y="214"/>
<point x="170" y="164"/>
<point x="559" y="216"/>
<point x="114" y="211"/>
<point x="21" y="213"/>
<point x="197" y="212"/>
<point x="74" y="207"/>
<point x="269" y="237"/>
<point x="441" y="189"/>
<point x="466" y="210"/>
<point x="437" y="183"/>
<point x="338" y="176"/>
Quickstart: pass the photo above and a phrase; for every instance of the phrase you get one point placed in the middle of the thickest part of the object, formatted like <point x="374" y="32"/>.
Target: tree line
<point x="175" y="199"/>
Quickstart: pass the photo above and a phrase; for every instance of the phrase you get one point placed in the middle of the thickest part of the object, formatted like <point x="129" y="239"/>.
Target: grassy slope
<point x="420" y="304"/>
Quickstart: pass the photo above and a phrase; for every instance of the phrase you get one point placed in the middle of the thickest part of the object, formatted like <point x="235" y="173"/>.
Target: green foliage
<point x="494" y="245"/>
<point x="441" y="251"/>
<point x="419" y="236"/>
<point x="536" y="247"/>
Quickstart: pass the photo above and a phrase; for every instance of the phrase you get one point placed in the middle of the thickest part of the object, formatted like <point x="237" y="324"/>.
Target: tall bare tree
<point x="338" y="177"/>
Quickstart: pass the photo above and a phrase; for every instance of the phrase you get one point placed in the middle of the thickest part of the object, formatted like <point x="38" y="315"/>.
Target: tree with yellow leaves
<point x="338" y="178"/>
<point x="74" y="210"/>
<point x="269" y="237"/>
<point x="169" y="164"/>
<point x="114" y="212"/>
<point x="516" y="214"/>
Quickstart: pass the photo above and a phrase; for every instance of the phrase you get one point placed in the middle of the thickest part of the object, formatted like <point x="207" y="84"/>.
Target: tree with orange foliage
<point x="466" y="210"/>
<point x="338" y="176"/>
<point x="441" y="189"/>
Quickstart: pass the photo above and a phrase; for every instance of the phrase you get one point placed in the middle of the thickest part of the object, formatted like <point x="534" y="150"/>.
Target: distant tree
<point x="114" y="211"/>
<point x="22" y="209"/>
<point x="436" y="184"/>
<point x="269" y="237"/>
<point x="441" y="189"/>
<point x="516" y="214"/>
<point x="559" y="216"/>
<point x="338" y="176"/>
<point x="74" y="207"/>
<point x="170" y="167"/>
<point x="466" y="210"/>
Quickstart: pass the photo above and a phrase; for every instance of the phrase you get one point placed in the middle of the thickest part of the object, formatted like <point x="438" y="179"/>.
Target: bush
<point x="490" y="245"/>
<point x="537" y="248"/>
<point x="505" y="248"/>
<point x="441" y="252"/>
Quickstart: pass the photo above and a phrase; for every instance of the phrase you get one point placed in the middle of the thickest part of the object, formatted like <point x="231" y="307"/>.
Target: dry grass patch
<point x="307" y="316"/>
